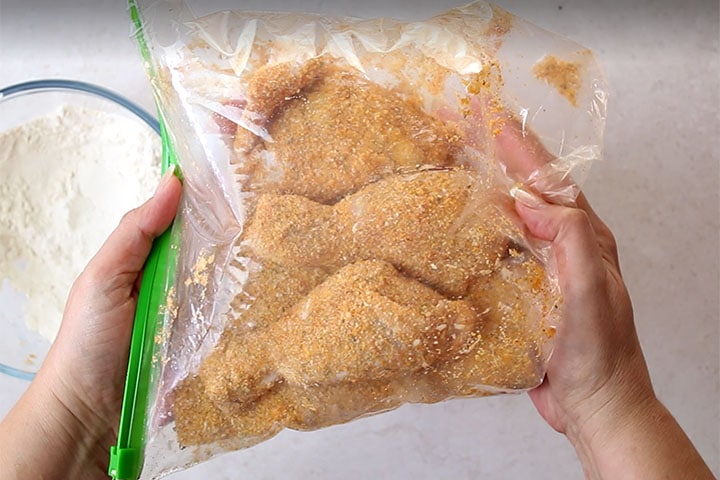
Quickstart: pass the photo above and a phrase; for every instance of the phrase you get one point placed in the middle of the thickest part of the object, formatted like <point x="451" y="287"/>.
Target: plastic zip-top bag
<point x="346" y="242"/>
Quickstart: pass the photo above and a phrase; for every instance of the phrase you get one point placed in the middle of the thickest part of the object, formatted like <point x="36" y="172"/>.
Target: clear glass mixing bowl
<point x="22" y="350"/>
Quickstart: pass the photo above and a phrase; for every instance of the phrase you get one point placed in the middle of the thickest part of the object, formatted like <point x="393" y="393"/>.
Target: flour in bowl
<point x="66" y="179"/>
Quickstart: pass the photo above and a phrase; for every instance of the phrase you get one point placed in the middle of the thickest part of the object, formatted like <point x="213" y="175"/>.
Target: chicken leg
<point x="367" y="321"/>
<point x="433" y="226"/>
<point x="323" y="131"/>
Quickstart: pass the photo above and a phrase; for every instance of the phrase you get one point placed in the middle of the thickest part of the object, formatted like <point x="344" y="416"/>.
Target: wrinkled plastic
<point x="347" y="241"/>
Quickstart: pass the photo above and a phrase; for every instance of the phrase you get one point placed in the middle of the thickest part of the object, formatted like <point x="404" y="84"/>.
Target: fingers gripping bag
<point x="346" y="242"/>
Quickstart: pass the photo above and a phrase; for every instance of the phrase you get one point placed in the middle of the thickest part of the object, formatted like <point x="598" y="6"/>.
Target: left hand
<point x="66" y="422"/>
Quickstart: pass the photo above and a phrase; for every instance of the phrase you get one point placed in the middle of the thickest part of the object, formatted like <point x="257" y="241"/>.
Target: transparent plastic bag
<point x="346" y="241"/>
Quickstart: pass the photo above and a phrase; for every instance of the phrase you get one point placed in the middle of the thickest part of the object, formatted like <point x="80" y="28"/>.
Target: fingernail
<point x="167" y="176"/>
<point x="526" y="198"/>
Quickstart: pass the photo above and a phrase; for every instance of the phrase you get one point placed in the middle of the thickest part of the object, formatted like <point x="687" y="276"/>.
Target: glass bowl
<point x="22" y="350"/>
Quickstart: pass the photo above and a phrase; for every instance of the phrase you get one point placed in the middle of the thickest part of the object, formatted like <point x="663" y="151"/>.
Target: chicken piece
<point x="272" y="86"/>
<point x="322" y="131"/>
<point x="200" y="419"/>
<point x="269" y="290"/>
<point x="373" y="322"/>
<point x="501" y="352"/>
<point x="367" y="321"/>
<point x="517" y="307"/>
<point x="433" y="225"/>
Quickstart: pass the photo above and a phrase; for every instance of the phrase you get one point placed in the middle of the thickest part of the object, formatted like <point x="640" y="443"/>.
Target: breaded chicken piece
<point x="367" y="321"/>
<point x="269" y="290"/>
<point x="322" y="131"/>
<point x="518" y="302"/>
<point x="500" y="350"/>
<point x="204" y="420"/>
<point x="434" y="226"/>
<point x="201" y="420"/>
<point x="272" y="86"/>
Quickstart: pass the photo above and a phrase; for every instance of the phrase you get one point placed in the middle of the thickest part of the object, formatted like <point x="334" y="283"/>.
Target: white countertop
<point x="658" y="189"/>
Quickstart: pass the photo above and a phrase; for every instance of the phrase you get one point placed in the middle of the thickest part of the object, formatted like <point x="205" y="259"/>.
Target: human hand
<point x="597" y="362"/>
<point x="73" y="405"/>
<point x="597" y="390"/>
<point x="597" y="369"/>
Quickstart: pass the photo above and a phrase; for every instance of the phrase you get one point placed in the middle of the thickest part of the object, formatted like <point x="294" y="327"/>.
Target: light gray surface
<point x="657" y="188"/>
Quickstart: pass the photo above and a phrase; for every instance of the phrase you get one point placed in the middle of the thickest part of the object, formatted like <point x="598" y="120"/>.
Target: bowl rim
<point x="57" y="84"/>
<point x="60" y="85"/>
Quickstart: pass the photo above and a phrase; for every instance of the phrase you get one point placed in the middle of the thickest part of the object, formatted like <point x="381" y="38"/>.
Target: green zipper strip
<point x="135" y="16"/>
<point x="126" y="457"/>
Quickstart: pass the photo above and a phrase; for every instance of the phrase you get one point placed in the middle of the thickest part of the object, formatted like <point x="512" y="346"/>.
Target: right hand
<point x="597" y="371"/>
<point x="597" y="389"/>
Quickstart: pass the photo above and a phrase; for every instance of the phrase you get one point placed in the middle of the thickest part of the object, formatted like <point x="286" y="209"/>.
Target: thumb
<point x="574" y="242"/>
<point x="126" y="249"/>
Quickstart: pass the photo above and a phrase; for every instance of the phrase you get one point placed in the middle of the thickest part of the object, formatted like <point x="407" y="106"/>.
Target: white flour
<point x="66" y="179"/>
